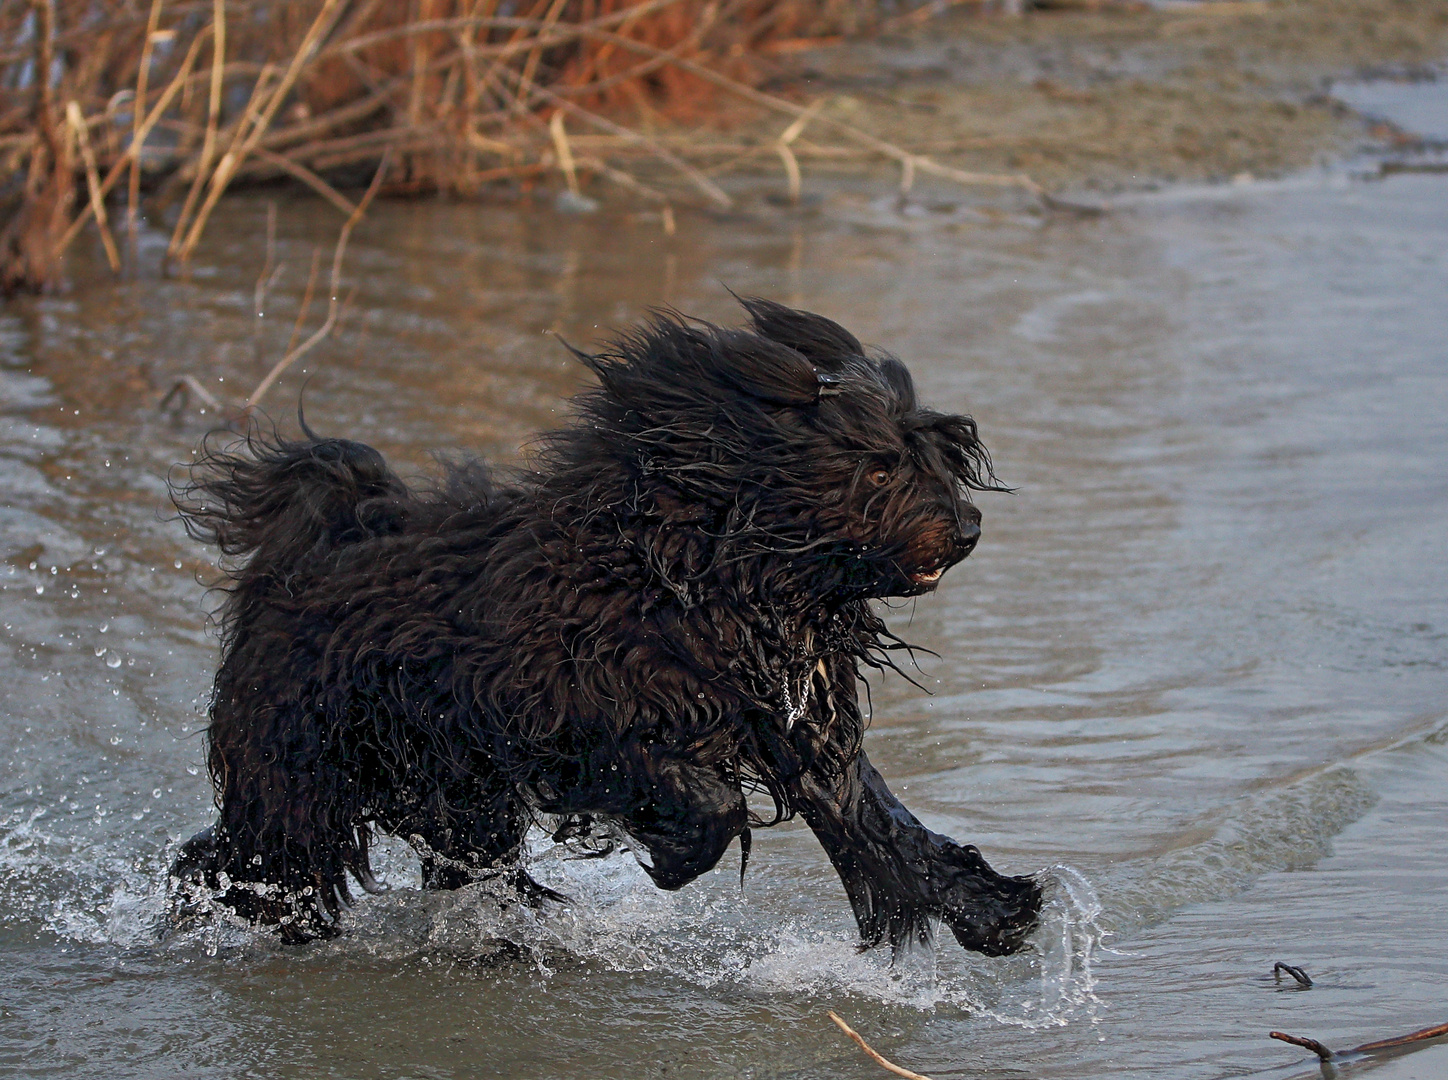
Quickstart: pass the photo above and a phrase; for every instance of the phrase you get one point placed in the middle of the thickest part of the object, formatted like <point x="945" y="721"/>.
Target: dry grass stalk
<point x="317" y="91"/>
<point x="134" y="149"/>
<point x="783" y="146"/>
<point x="133" y="202"/>
<point x="93" y="182"/>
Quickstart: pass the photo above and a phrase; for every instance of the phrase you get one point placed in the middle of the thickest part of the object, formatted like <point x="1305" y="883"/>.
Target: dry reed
<point x="187" y="99"/>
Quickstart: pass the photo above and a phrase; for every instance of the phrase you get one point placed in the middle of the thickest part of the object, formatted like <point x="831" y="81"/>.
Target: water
<point x="1196" y="667"/>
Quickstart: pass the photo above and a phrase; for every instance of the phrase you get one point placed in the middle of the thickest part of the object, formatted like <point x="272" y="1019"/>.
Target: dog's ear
<point x="824" y="343"/>
<point x="896" y="378"/>
<point x="765" y="369"/>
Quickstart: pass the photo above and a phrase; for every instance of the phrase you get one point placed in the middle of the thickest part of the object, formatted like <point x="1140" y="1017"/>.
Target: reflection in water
<point x="1204" y="637"/>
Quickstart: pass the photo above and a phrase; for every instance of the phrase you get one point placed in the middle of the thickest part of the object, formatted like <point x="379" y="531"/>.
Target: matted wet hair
<point x="666" y="611"/>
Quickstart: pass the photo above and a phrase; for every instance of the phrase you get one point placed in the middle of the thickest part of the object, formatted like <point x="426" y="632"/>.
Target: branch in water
<point x="1421" y="1035"/>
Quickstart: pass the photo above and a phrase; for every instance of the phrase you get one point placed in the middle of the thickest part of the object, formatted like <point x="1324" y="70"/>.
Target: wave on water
<point x="1285" y="829"/>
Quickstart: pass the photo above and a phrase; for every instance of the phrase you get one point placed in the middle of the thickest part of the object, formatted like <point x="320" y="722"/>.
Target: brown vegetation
<point x="183" y="99"/>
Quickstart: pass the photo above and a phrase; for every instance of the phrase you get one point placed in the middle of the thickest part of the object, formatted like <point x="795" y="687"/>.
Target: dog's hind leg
<point x="287" y="833"/>
<point x="472" y="831"/>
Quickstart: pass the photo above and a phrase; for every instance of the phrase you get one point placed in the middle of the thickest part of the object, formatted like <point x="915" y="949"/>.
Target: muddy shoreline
<point x="1115" y="99"/>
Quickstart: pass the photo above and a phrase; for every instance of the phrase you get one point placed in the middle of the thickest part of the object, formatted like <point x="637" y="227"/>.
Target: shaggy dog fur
<point x="670" y="610"/>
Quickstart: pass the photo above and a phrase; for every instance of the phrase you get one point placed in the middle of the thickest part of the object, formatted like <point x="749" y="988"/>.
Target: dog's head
<point x="789" y="438"/>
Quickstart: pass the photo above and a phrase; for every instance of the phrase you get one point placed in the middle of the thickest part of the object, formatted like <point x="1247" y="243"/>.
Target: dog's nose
<point x="967" y="527"/>
<point x="967" y="538"/>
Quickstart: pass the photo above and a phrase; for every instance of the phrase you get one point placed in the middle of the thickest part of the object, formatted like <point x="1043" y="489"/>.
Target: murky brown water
<point x="1197" y="664"/>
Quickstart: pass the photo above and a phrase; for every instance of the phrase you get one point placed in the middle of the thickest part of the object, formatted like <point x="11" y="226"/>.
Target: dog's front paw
<point x="987" y="912"/>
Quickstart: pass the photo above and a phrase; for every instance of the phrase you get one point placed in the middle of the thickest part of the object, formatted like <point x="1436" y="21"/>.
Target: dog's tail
<point x="271" y="505"/>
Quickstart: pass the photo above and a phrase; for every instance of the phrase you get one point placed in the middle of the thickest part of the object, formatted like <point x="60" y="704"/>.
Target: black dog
<point x="670" y="610"/>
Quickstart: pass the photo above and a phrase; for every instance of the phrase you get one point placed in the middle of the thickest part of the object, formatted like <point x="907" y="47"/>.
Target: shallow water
<point x="1197" y="666"/>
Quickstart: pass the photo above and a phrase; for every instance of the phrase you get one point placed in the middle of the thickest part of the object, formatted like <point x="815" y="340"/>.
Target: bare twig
<point x="883" y="1062"/>
<point x="712" y="191"/>
<point x="564" y="151"/>
<point x="1296" y="1040"/>
<point x="267" y="278"/>
<point x="887" y="149"/>
<point x="786" y="152"/>
<point x="623" y="179"/>
<point x="530" y="65"/>
<point x="184" y="386"/>
<point x="213" y="120"/>
<point x="334" y="306"/>
<point x="298" y="171"/>
<point x="306" y="304"/>
<point x="233" y="158"/>
<point x="1421" y="1035"/>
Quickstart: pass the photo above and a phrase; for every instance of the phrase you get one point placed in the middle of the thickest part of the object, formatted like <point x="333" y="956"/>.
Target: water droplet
<point x="103" y="628"/>
<point x="115" y="740"/>
<point x="155" y="793"/>
<point x="113" y="661"/>
<point x="192" y="770"/>
<point x="39" y="590"/>
<point x="177" y="564"/>
<point x="101" y="651"/>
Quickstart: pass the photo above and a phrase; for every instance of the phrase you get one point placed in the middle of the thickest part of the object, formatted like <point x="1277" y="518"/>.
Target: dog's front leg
<point x="898" y="874"/>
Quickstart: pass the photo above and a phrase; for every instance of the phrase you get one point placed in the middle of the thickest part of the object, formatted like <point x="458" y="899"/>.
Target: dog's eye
<point x="880" y="477"/>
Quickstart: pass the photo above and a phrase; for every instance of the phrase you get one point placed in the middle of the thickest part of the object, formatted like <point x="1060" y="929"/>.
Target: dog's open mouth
<point x="927" y="577"/>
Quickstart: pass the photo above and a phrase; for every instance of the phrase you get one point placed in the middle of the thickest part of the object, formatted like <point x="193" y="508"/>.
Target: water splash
<point x="764" y="943"/>
<point x="789" y="935"/>
<point x="1053" y="981"/>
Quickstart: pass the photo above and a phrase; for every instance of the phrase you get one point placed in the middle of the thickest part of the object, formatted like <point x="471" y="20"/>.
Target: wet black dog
<point x="670" y="610"/>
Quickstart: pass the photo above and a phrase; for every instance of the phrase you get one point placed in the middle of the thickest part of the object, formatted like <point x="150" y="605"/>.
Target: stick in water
<point x="1421" y="1035"/>
<point x="883" y="1062"/>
